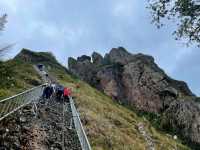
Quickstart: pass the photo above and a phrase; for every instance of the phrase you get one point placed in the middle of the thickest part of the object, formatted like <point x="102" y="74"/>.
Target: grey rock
<point x="110" y="78"/>
<point x="97" y="58"/>
<point x="119" y="55"/>
<point x="84" y="58"/>
<point x="136" y="80"/>
<point x="22" y="119"/>
<point x="184" y="118"/>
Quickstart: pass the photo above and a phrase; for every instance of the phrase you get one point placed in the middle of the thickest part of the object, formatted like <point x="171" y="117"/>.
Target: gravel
<point x="24" y="130"/>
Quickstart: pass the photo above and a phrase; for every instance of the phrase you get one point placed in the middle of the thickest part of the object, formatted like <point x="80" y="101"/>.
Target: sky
<point x="70" y="28"/>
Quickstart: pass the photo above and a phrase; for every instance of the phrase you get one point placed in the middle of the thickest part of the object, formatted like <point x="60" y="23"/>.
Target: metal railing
<point x="85" y="145"/>
<point x="12" y="104"/>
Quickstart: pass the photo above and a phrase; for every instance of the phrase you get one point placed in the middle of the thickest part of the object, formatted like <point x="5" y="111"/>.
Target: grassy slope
<point x="16" y="76"/>
<point x="110" y="125"/>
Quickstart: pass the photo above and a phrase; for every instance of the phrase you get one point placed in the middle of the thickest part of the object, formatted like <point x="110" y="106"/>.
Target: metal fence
<point x="79" y="128"/>
<point x="12" y="104"/>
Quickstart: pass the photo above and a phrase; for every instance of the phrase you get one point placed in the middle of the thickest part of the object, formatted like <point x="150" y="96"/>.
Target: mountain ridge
<point x="137" y="81"/>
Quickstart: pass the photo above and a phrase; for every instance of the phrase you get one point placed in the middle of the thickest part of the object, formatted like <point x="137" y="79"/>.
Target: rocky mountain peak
<point x="97" y="58"/>
<point x="136" y="80"/>
<point x="119" y="55"/>
<point x="120" y="51"/>
<point x="84" y="58"/>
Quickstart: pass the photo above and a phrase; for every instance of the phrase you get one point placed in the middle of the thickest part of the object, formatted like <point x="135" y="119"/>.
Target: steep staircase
<point x="29" y="122"/>
<point x="50" y="127"/>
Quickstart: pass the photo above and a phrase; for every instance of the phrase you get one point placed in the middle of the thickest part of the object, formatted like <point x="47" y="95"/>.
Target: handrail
<point x="85" y="145"/>
<point x="13" y="103"/>
<point x="21" y="93"/>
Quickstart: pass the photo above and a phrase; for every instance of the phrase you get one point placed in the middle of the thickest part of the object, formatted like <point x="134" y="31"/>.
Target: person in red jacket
<point x="66" y="94"/>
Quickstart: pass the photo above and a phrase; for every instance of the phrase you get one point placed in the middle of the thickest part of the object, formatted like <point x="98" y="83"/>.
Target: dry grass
<point x="111" y="126"/>
<point x="108" y="125"/>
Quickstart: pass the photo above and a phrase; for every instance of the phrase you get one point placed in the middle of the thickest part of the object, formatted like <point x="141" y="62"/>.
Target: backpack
<point x="66" y="92"/>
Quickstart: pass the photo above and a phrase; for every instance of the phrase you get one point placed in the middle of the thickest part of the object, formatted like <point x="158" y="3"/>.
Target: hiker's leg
<point x="67" y="99"/>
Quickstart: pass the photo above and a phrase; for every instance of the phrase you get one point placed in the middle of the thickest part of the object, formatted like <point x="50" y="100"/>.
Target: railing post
<point x="85" y="145"/>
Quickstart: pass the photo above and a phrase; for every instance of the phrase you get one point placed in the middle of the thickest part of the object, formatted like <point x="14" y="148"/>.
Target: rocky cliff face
<point x="183" y="117"/>
<point x="133" y="79"/>
<point x="136" y="80"/>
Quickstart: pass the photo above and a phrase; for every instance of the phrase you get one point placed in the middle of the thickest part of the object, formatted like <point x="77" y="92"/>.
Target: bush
<point x="6" y="76"/>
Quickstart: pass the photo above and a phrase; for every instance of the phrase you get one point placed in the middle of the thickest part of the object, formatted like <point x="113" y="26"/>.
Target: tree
<point x="3" y="50"/>
<point x="3" y="21"/>
<point x="184" y="13"/>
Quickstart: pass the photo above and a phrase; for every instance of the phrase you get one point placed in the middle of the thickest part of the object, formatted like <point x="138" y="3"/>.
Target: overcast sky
<point x="76" y="27"/>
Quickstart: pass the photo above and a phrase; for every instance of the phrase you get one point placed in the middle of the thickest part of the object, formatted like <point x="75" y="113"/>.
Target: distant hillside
<point x="108" y="124"/>
<point x="31" y="57"/>
<point x="16" y="76"/>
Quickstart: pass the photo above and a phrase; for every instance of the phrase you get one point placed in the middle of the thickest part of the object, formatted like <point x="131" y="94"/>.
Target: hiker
<point x="50" y="91"/>
<point x="40" y="67"/>
<point x="59" y="92"/>
<point x="53" y="85"/>
<point x="47" y="92"/>
<point x="53" y="88"/>
<point x="66" y="94"/>
<point x="44" y="92"/>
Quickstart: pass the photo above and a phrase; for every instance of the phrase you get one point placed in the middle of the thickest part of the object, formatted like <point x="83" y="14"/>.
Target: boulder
<point x="97" y="58"/>
<point x="84" y="58"/>
<point x="119" y="55"/>
<point x="183" y="117"/>
<point x="72" y="63"/>
<point x="110" y="81"/>
<point x="83" y="68"/>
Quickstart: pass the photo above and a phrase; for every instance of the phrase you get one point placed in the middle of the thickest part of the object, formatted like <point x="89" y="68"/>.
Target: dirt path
<point x="38" y="138"/>
<point x="51" y="129"/>
<point x="150" y="144"/>
<point x="45" y="132"/>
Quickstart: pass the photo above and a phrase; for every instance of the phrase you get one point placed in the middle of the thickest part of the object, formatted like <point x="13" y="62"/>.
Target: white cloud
<point x="123" y="8"/>
<point x="10" y="5"/>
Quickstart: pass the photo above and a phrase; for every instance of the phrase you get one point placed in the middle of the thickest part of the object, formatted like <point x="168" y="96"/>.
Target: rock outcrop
<point x="136" y="80"/>
<point x="183" y="117"/>
<point x="97" y="58"/>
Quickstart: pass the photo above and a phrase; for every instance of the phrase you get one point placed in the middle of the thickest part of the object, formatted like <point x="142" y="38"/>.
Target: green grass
<point x="16" y="76"/>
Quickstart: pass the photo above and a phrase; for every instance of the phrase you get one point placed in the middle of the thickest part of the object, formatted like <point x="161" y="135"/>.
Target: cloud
<point x="73" y="28"/>
<point x="9" y="5"/>
<point x="123" y="8"/>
